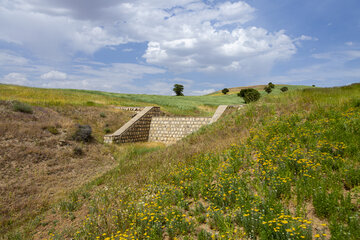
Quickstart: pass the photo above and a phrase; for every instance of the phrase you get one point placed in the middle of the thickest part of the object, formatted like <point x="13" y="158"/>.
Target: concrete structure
<point x="135" y="130"/>
<point x="171" y="129"/>
<point x="150" y="125"/>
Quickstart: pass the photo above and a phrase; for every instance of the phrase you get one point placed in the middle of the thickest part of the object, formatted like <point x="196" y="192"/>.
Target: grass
<point x="187" y="105"/>
<point x="286" y="167"/>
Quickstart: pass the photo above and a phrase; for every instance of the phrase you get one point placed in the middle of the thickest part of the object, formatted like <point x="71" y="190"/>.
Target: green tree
<point x="271" y="85"/>
<point x="178" y="89"/>
<point x="268" y="89"/>
<point x="284" y="89"/>
<point x="249" y="95"/>
<point x="225" y="91"/>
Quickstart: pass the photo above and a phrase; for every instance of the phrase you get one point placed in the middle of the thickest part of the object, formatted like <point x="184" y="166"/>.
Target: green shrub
<point x="271" y="85"/>
<point x="53" y="130"/>
<point x="268" y="89"/>
<point x="249" y="95"/>
<point x="284" y="89"/>
<point x="102" y="115"/>
<point x="22" y="107"/>
<point x="107" y="130"/>
<point x="82" y="133"/>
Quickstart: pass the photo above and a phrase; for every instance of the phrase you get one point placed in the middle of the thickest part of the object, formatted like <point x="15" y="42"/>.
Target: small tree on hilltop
<point x="225" y="91"/>
<point x="284" y="89"/>
<point x="178" y="89"/>
<point x="271" y="85"/>
<point x="249" y="95"/>
<point x="268" y="89"/>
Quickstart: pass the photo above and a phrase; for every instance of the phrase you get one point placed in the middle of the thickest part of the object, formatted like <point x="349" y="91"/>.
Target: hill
<point x="260" y="88"/>
<point x="286" y="167"/>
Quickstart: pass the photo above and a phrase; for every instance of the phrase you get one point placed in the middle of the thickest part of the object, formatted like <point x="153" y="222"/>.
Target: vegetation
<point x="286" y="167"/>
<point x="184" y="106"/>
<point x="225" y="91"/>
<point x="271" y="85"/>
<point x="284" y="89"/>
<point x="267" y="89"/>
<point x="82" y="133"/>
<point x="178" y="89"/>
<point x="249" y="95"/>
<point x="22" y="107"/>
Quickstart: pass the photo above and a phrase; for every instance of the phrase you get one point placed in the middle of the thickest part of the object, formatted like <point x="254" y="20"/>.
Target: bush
<point x="225" y="91"/>
<point x="178" y="89"/>
<point x="102" y="115"/>
<point x="268" y="89"/>
<point x="249" y="95"/>
<point x="284" y="89"/>
<point x="53" y="130"/>
<point x="82" y="133"/>
<point x="271" y="85"/>
<point x="22" y="107"/>
<point x="107" y="130"/>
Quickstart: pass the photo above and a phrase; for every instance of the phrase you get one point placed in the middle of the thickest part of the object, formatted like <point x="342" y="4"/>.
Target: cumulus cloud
<point x="202" y="92"/>
<point x="15" y="78"/>
<point x="54" y="75"/>
<point x="182" y="35"/>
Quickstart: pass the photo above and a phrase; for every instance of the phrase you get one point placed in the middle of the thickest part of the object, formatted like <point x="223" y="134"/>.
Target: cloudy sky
<point x="146" y="46"/>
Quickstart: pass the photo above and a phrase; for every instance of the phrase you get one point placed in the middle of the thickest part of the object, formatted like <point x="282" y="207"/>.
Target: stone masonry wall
<point x="171" y="129"/>
<point x="136" y="130"/>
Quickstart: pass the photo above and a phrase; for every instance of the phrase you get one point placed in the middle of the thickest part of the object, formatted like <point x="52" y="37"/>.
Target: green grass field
<point x="186" y="105"/>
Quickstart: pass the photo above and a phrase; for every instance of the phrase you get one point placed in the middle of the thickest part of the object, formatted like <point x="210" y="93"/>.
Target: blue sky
<point x="146" y="46"/>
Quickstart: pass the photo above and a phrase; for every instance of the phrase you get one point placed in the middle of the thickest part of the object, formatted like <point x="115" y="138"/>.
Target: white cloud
<point x="182" y="35"/>
<point x="54" y="75"/>
<point x="349" y="44"/>
<point x="202" y="92"/>
<point x="15" y="78"/>
<point x="11" y="59"/>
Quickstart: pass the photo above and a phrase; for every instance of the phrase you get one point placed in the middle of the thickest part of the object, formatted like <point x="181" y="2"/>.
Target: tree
<point x="178" y="89"/>
<point x="313" y="85"/>
<point x="268" y="89"/>
<point x="271" y="85"/>
<point x="284" y="89"/>
<point x="225" y="91"/>
<point x="249" y="95"/>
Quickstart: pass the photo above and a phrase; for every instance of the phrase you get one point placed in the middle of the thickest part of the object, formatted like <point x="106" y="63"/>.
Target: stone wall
<point x="136" y="130"/>
<point x="150" y="125"/>
<point x="171" y="129"/>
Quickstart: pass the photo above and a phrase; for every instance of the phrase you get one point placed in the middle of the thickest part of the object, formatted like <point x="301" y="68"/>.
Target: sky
<point x="147" y="46"/>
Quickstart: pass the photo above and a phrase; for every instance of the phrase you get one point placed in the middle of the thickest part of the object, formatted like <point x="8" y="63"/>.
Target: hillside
<point x="260" y="88"/>
<point x="286" y="167"/>
<point x="173" y="105"/>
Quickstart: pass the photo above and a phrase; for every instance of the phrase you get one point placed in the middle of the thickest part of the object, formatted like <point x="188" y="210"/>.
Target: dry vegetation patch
<point x="37" y="159"/>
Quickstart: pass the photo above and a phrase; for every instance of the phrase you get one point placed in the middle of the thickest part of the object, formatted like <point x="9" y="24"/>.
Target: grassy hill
<point x="286" y="167"/>
<point x="186" y="105"/>
<point x="260" y="88"/>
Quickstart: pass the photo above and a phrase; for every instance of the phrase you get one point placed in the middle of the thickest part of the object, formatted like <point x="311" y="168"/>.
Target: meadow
<point x="173" y="105"/>
<point x="286" y="167"/>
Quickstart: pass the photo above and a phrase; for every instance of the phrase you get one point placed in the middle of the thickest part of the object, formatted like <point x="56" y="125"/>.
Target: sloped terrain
<point x="285" y="168"/>
<point x="38" y="160"/>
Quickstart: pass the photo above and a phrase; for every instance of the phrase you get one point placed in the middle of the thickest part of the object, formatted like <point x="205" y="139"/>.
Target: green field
<point x="286" y="167"/>
<point x="186" y="105"/>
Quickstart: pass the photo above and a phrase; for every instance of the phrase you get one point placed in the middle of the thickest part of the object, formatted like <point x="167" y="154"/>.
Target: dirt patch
<point x="37" y="160"/>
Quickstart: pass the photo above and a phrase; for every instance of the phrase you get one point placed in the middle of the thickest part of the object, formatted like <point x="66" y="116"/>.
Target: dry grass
<point x="38" y="167"/>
